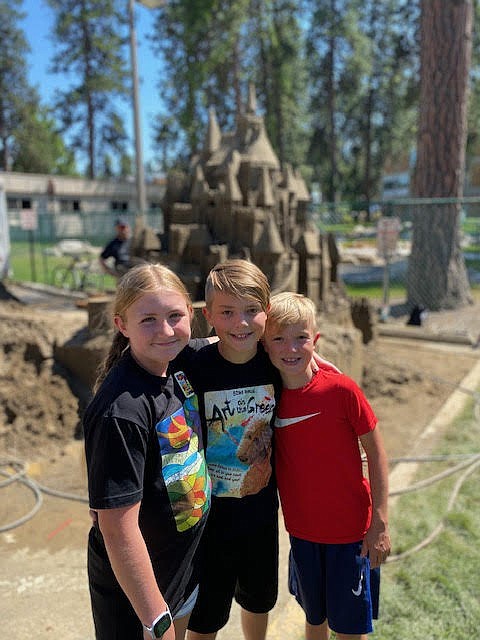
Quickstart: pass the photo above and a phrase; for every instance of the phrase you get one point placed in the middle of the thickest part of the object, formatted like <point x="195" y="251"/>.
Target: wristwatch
<point x="160" y="625"/>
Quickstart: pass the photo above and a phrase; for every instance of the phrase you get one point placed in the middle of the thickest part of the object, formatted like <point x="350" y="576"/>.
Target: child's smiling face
<point x="239" y="324"/>
<point x="157" y="325"/>
<point x="291" y="348"/>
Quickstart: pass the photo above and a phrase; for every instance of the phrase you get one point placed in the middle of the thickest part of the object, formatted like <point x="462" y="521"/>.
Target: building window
<point x="118" y="205"/>
<point x="67" y="206"/>
<point x="17" y="204"/>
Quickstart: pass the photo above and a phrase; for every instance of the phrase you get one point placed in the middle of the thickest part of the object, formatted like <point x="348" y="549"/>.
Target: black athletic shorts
<point x="244" y="568"/>
<point x="113" y="615"/>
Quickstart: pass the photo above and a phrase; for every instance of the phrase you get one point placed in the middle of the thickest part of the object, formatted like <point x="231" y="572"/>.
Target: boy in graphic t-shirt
<point x="238" y="389"/>
<point x="236" y="386"/>
<point x="337" y="519"/>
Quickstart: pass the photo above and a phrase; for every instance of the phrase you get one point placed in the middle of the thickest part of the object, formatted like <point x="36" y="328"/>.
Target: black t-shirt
<point x="144" y="443"/>
<point x="119" y="250"/>
<point x="237" y="402"/>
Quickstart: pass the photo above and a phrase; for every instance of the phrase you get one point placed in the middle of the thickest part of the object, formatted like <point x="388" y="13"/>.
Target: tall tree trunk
<point x="236" y="76"/>
<point x="87" y="51"/>
<point x="332" y="194"/>
<point x="367" y="176"/>
<point x="369" y="106"/>
<point x="276" y="88"/>
<point x="91" y="138"/>
<point x="437" y="277"/>
<point x="4" y="143"/>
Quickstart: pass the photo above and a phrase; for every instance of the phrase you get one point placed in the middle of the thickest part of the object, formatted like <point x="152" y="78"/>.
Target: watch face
<point x="162" y="625"/>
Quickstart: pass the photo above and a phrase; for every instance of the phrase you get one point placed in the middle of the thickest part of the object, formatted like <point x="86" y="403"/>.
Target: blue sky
<point x="38" y="27"/>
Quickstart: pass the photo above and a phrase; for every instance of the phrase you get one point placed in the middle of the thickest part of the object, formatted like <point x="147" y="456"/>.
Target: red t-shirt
<point x="325" y="497"/>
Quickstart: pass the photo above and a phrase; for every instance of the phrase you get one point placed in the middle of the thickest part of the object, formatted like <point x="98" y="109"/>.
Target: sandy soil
<point x="43" y="586"/>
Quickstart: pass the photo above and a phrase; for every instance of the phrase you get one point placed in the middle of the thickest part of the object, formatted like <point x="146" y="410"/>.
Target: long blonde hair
<point x="144" y="278"/>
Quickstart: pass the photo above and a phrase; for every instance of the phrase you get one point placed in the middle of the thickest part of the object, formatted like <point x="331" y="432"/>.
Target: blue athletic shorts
<point x="332" y="582"/>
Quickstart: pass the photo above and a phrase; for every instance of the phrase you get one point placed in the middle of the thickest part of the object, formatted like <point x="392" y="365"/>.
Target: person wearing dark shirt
<point x="119" y="249"/>
<point x="148" y="483"/>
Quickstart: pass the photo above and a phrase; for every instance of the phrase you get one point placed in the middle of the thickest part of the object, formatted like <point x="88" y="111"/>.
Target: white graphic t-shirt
<point x="239" y="439"/>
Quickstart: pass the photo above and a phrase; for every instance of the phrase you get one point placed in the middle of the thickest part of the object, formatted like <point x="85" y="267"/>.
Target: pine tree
<point x="212" y="50"/>
<point x="279" y="68"/>
<point x="334" y="51"/>
<point x="385" y="105"/>
<point x="437" y="277"/>
<point x="199" y="42"/>
<point x="38" y="147"/>
<point x="15" y="91"/>
<point x="362" y="80"/>
<point x="89" y="49"/>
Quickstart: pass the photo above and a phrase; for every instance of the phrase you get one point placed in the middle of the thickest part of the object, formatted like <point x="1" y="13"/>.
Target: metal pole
<point x="385" y="312"/>
<point x="141" y="191"/>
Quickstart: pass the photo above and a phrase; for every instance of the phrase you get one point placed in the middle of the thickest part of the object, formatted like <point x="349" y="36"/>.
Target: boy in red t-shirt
<point x="336" y="518"/>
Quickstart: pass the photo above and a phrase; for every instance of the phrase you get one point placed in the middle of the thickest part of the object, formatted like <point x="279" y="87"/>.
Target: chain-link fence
<point x="363" y="268"/>
<point x="62" y="249"/>
<point x="375" y="256"/>
<point x="94" y="227"/>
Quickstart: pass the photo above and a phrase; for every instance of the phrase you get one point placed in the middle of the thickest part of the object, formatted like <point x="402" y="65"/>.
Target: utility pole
<point x="140" y="174"/>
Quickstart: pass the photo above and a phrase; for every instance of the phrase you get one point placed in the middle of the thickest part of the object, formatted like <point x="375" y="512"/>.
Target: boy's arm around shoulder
<point x="377" y="539"/>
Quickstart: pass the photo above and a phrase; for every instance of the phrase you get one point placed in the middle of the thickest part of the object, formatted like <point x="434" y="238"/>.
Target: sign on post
<point x="388" y="231"/>
<point x="28" y="219"/>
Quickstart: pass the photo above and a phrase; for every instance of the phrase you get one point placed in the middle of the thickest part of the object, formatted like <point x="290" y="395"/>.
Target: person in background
<point x="149" y="489"/>
<point x="337" y="518"/>
<point x="119" y="249"/>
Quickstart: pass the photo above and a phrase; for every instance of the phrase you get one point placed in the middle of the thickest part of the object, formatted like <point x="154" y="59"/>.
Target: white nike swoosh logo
<point x="286" y="422"/>
<point x="358" y="591"/>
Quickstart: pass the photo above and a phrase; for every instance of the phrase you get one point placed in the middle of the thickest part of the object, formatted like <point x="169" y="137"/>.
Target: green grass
<point x="473" y="264"/>
<point x="471" y="225"/>
<point x="374" y="291"/>
<point x="37" y="266"/>
<point x="28" y="265"/>
<point x="21" y="263"/>
<point x="434" y="593"/>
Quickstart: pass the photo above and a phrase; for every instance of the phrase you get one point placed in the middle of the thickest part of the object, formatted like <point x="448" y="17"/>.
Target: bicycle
<point x="81" y="274"/>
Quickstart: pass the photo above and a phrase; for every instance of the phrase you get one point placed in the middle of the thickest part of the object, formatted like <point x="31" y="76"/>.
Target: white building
<point x="62" y="194"/>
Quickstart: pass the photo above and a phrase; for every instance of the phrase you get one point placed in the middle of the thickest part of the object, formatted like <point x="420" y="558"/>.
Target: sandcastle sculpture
<point x="239" y="202"/>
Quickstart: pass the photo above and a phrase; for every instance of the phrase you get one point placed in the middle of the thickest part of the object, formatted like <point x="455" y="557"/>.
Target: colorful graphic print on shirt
<point x="183" y="465"/>
<point x="239" y="439"/>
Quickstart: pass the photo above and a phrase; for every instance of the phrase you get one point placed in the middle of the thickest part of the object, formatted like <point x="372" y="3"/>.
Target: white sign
<point x="388" y="230"/>
<point x="28" y="219"/>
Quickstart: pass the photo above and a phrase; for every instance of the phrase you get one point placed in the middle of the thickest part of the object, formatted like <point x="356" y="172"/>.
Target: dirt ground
<point x="39" y="407"/>
<point x="43" y="560"/>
